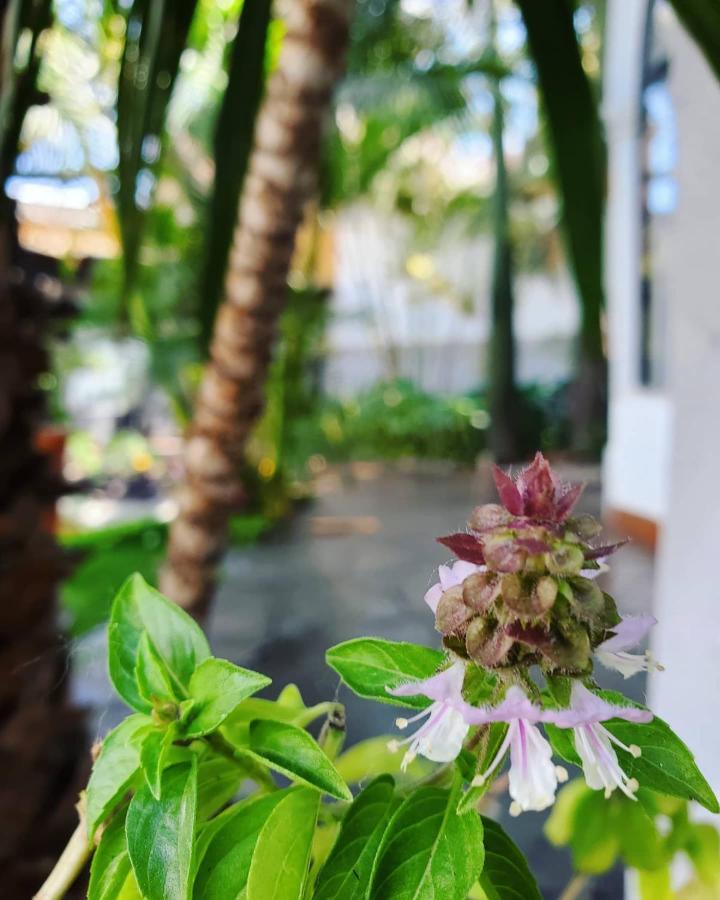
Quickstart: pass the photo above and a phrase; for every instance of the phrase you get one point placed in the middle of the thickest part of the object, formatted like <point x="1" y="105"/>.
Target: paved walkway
<point x="357" y="562"/>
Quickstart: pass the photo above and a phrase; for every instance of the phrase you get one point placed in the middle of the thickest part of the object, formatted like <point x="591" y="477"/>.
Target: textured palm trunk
<point x="502" y="392"/>
<point x="42" y="741"/>
<point x="282" y="176"/>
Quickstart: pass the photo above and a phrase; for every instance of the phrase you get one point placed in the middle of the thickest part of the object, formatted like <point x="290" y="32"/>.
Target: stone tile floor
<point x="357" y="561"/>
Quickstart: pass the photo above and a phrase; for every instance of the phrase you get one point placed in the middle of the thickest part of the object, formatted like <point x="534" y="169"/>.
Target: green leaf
<point x="666" y="765"/>
<point x="178" y="640"/>
<point x="151" y="674"/>
<point x="160" y="834"/>
<point x="370" y="665"/>
<point x="279" y="864"/>
<point x="114" y="769"/>
<point x="561" y="740"/>
<point x="470" y="799"/>
<point x="155" y="37"/>
<point x="560" y="824"/>
<point x="237" y="725"/>
<point x="595" y="842"/>
<point x="226" y="846"/>
<point x="295" y="753"/>
<point x="218" y="687"/>
<point x="641" y="845"/>
<point x="111" y="863"/>
<point x="372" y="757"/>
<point x="218" y="782"/>
<point x="346" y="873"/>
<point x="153" y="754"/>
<point x="505" y="875"/>
<point x="428" y="851"/>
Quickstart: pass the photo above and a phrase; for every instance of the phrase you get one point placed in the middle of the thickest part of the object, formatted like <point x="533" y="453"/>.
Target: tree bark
<point x="282" y="176"/>
<point x="42" y="740"/>
<point x="502" y="391"/>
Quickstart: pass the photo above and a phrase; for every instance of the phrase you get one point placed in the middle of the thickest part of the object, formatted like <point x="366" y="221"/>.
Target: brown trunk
<point x="42" y="742"/>
<point x="282" y="176"/>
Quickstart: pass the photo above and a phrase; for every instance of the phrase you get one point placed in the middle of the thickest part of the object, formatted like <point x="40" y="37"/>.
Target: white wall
<point x="639" y="423"/>
<point x="687" y="639"/>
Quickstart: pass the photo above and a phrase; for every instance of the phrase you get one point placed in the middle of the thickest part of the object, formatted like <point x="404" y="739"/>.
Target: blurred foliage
<point x="293" y="394"/>
<point x="107" y="554"/>
<point x="396" y="420"/>
<point x="645" y="834"/>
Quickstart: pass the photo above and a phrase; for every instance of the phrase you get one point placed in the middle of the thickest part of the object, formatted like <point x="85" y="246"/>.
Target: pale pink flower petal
<point x="613" y="654"/>
<point x="449" y="577"/>
<point x="586" y="708"/>
<point x="629" y="632"/>
<point x="440" y="738"/>
<point x="444" y="687"/>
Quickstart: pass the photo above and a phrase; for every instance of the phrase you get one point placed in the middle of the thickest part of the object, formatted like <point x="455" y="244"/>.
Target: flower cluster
<point x="521" y="593"/>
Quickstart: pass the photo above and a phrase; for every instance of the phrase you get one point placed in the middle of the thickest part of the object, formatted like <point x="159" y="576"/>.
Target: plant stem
<point x="244" y="759"/>
<point x="574" y="887"/>
<point x="68" y="867"/>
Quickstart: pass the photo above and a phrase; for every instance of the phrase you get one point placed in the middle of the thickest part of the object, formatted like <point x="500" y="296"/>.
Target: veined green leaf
<point x="160" y="834"/>
<point x="295" y="753"/>
<point x="218" y="782"/>
<point x="346" y="874"/>
<point x="178" y="640"/>
<point x="114" y="769"/>
<point x="428" y="850"/>
<point x="225" y="847"/>
<point x="665" y="765"/>
<point x="153" y="754"/>
<point x="111" y="864"/>
<point x="218" y="687"/>
<point x="370" y="665"/>
<point x="151" y="674"/>
<point x="237" y="724"/>
<point x="279" y="864"/>
<point x="505" y="875"/>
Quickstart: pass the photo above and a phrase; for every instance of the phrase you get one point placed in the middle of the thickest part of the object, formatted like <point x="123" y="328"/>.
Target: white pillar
<point x="687" y="639"/>
<point x="635" y="459"/>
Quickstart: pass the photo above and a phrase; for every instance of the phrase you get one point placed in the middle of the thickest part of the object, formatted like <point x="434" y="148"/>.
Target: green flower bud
<point x="566" y="559"/>
<point x="585" y="527"/>
<point x="588" y="603"/>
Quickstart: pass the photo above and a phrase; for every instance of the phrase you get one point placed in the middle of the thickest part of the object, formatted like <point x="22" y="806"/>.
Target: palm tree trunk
<point x="282" y="176"/>
<point x="502" y="392"/>
<point x="42" y="741"/>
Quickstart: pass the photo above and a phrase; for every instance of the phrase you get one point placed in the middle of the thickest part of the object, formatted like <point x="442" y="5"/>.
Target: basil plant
<point x="207" y="791"/>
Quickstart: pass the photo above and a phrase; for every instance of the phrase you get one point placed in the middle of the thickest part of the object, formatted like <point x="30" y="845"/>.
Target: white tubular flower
<point x="613" y="654"/>
<point x="441" y="736"/>
<point x="533" y="778"/>
<point x="594" y="743"/>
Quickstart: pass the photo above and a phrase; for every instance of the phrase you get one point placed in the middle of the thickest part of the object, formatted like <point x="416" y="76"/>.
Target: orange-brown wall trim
<point x="637" y="528"/>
